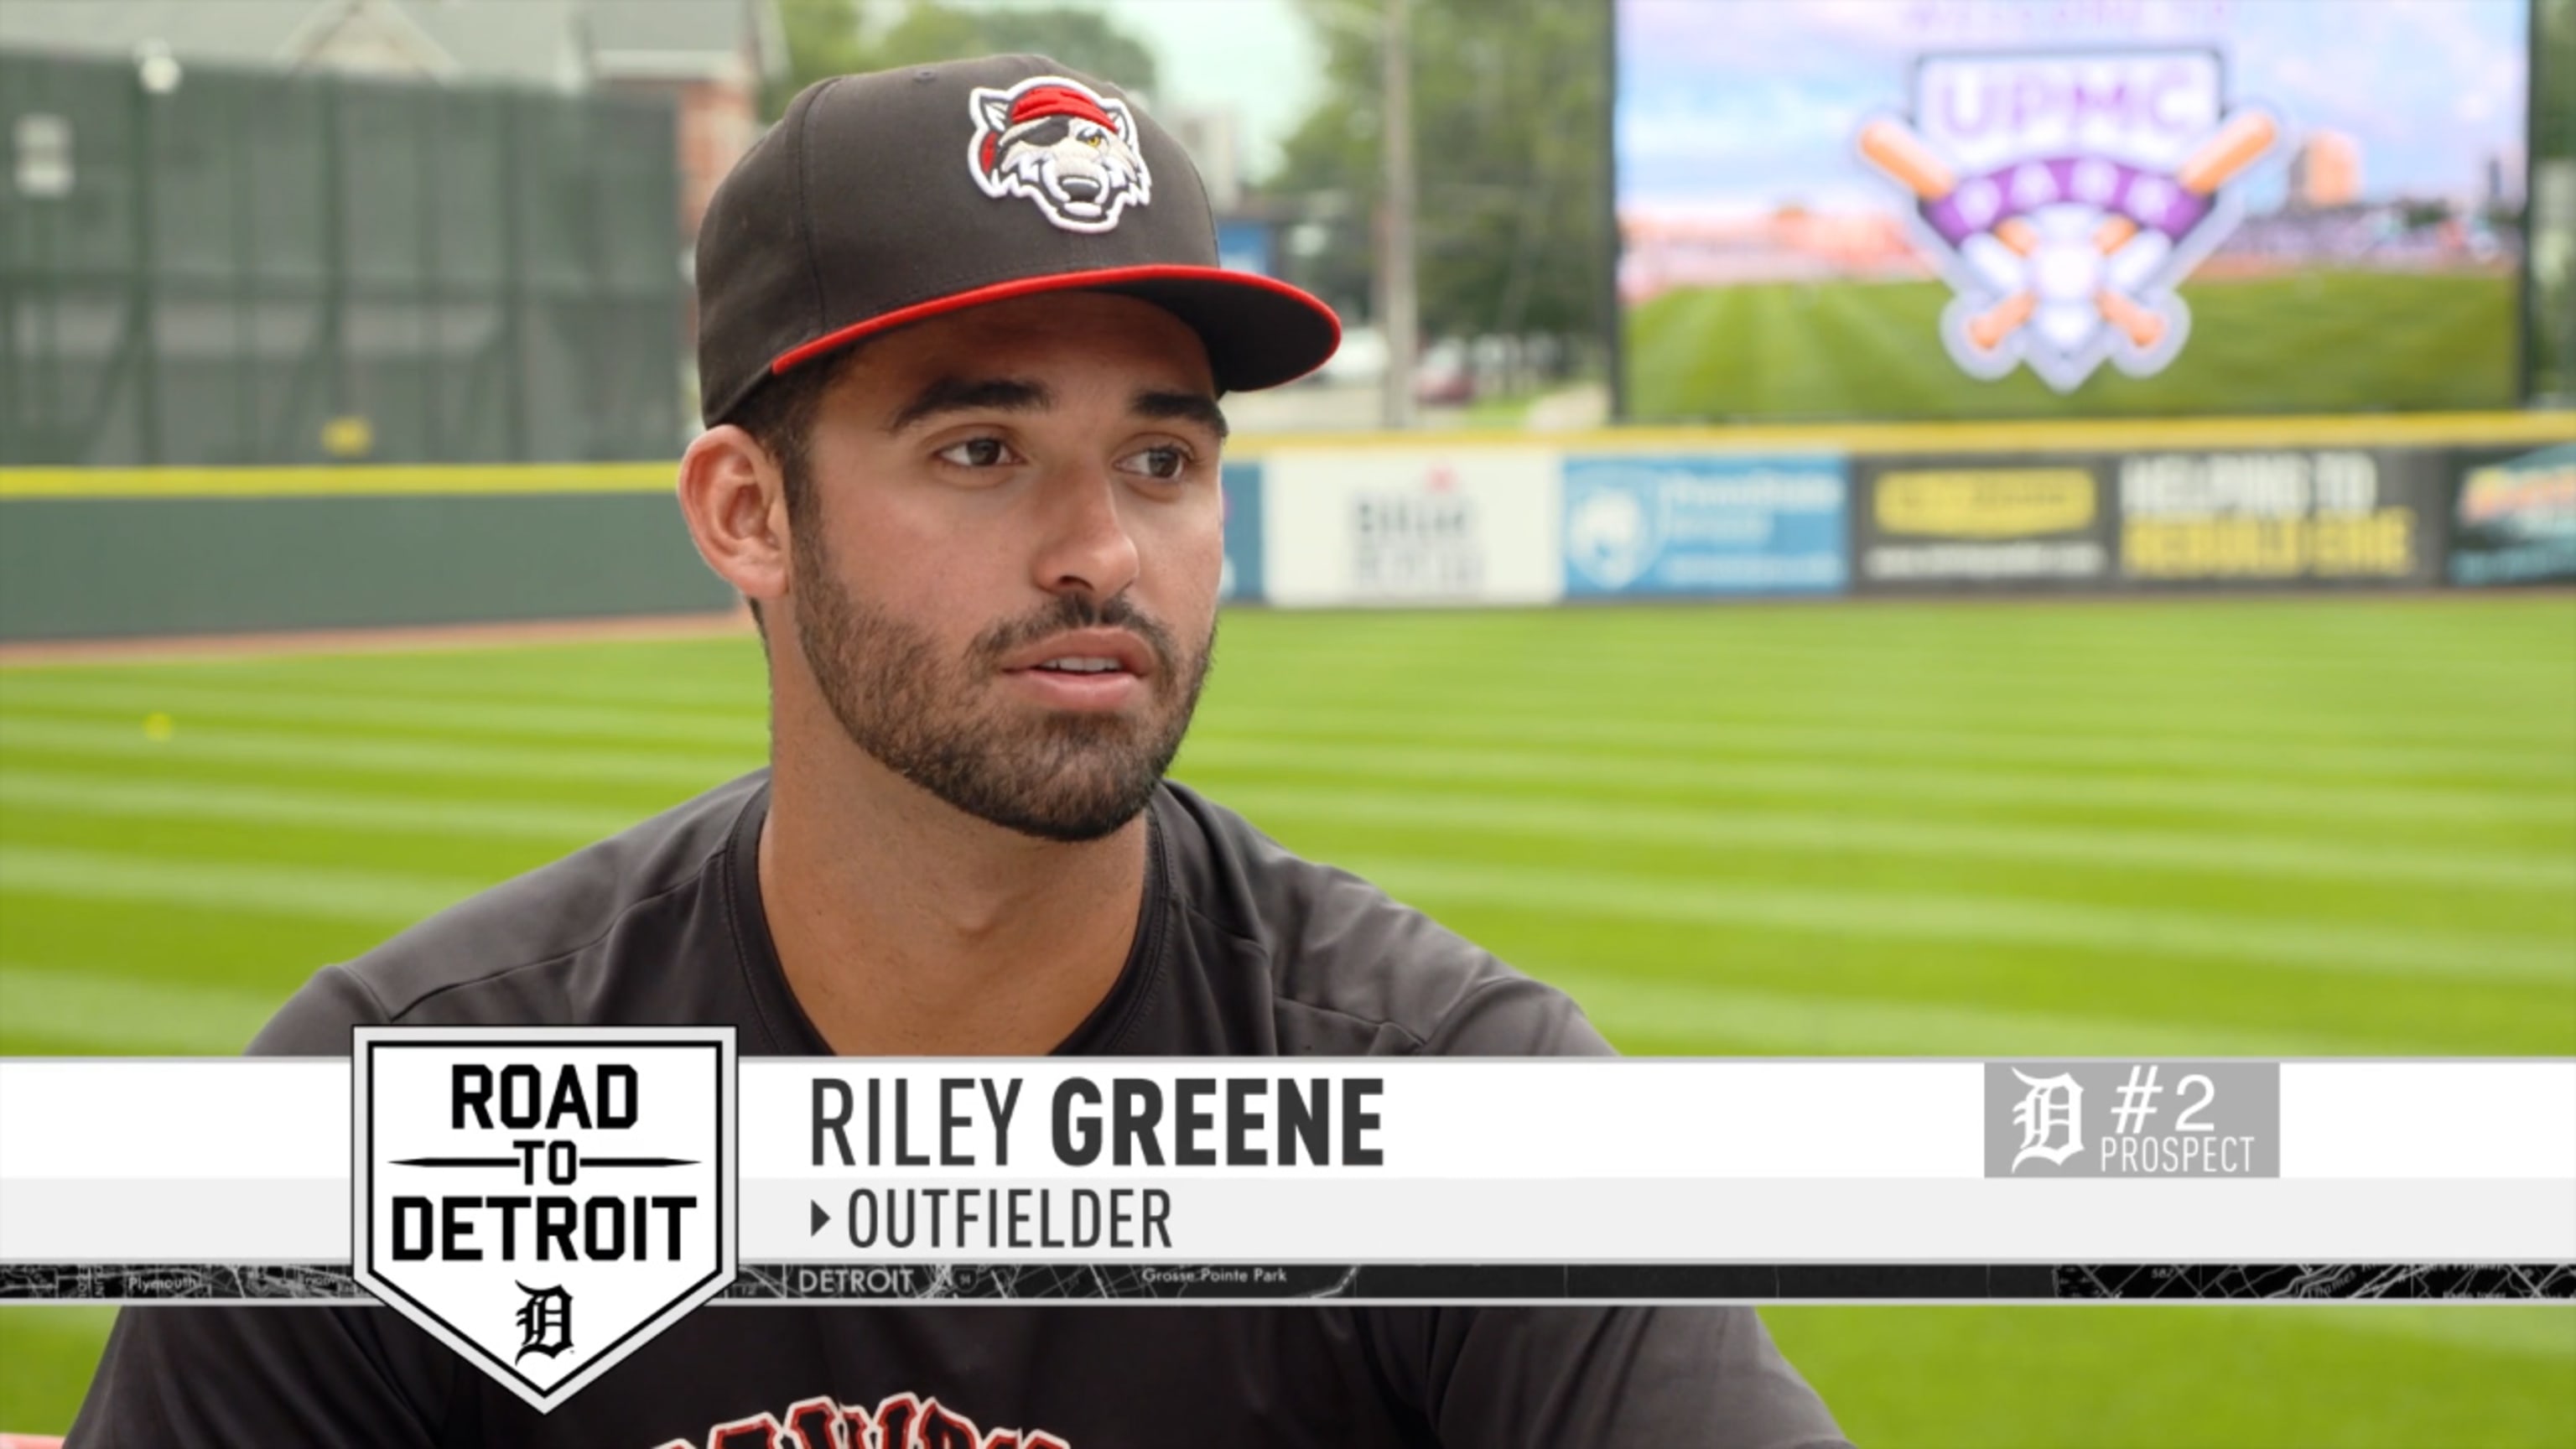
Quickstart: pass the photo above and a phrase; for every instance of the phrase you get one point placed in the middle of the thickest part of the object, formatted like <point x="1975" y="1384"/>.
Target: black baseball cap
<point x="890" y="198"/>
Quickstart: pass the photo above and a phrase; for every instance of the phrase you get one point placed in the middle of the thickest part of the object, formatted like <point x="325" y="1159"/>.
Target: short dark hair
<point x="779" y="414"/>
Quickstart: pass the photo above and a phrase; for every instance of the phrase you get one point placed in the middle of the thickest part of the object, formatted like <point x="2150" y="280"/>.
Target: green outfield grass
<point x="2171" y="826"/>
<point x="2315" y="343"/>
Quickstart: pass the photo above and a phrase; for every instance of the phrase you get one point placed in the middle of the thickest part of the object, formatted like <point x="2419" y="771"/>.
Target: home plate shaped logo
<point x="2064" y="197"/>
<point x="543" y="1200"/>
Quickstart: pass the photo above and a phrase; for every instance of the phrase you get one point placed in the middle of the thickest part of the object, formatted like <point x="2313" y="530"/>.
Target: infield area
<point x="2163" y="827"/>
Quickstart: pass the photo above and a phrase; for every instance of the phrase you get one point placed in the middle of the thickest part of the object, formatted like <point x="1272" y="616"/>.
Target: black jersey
<point x="1241" y="950"/>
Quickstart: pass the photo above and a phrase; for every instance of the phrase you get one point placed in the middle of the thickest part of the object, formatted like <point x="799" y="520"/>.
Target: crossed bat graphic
<point x="1895" y="149"/>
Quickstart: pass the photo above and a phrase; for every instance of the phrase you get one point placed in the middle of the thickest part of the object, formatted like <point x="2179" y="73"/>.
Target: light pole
<point x="1397" y="311"/>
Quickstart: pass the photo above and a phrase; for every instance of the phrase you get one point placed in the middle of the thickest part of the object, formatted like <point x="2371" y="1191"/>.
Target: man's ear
<point x="735" y="502"/>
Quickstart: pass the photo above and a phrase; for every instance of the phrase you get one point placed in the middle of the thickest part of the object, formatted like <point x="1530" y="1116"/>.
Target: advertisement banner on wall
<point x="1241" y="582"/>
<point x="1412" y="526"/>
<point x="1704" y="525"/>
<point x="1980" y="522"/>
<point x="2324" y="516"/>
<point x="2515" y="518"/>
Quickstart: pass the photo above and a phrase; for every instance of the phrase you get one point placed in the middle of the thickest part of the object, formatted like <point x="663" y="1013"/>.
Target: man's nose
<point x="1085" y="545"/>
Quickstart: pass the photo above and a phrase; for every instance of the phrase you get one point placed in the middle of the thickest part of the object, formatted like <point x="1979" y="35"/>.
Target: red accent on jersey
<point x="902" y="1421"/>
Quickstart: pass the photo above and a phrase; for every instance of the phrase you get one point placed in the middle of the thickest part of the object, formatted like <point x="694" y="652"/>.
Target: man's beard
<point x="1058" y="776"/>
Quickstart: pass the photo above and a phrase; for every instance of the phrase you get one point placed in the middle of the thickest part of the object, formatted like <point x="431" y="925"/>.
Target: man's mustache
<point x="1078" y="611"/>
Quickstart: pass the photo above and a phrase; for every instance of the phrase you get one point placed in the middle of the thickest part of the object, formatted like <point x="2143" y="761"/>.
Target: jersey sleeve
<point x="1511" y="1015"/>
<point x="1604" y="1378"/>
<point x="197" y="1377"/>
<point x="194" y="1378"/>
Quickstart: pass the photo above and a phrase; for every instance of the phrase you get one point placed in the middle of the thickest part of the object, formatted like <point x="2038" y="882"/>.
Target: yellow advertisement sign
<point x="1985" y="502"/>
<point x="2379" y="544"/>
<point x="2284" y="514"/>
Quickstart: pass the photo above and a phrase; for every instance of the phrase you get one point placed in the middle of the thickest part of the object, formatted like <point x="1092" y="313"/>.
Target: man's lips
<point x="1083" y="670"/>
<point x="1084" y="654"/>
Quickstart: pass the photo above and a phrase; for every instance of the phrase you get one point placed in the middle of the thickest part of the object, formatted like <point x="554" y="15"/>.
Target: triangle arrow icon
<point x="821" y="1220"/>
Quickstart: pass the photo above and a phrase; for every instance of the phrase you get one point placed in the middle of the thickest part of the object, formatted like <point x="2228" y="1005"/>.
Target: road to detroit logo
<point x="2065" y="196"/>
<point x="543" y="1200"/>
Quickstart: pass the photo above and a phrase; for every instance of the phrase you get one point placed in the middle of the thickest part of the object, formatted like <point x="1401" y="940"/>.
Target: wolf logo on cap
<point x="1063" y="146"/>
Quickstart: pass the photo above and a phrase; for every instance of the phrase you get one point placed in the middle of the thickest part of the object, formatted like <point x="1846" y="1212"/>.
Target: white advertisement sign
<point x="1413" y="526"/>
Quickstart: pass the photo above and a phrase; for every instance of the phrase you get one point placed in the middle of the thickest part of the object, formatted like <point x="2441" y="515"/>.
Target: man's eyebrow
<point x="985" y="394"/>
<point x="1195" y="407"/>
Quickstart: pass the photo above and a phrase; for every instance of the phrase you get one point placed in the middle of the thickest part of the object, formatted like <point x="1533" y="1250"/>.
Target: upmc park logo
<point x="543" y="1200"/>
<point x="2064" y="197"/>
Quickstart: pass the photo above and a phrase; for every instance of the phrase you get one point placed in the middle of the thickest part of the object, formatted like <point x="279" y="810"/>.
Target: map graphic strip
<point x="1203" y="1283"/>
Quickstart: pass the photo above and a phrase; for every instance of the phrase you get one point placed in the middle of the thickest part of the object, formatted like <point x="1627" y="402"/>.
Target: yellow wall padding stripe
<point x="355" y="482"/>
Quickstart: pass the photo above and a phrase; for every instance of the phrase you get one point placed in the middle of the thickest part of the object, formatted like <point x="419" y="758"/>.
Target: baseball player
<point x="962" y="340"/>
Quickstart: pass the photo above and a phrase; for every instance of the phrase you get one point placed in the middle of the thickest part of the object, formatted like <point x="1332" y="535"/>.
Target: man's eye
<point x="976" y="453"/>
<point x="1165" y="462"/>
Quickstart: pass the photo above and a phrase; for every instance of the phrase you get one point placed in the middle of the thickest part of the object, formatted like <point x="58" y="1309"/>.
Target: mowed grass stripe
<point x="1239" y="758"/>
<point x="2536" y="1330"/>
<point x="1693" y="1018"/>
<point x="1534" y="818"/>
<point x="268" y="953"/>
<point x="2167" y="640"/>
<point x="1927" y="640"/>
<point x="1709" y="737"/>
<point x="103" y="1012"/>
<point x="403" y="758"/>
<point x="452" y="714"/>
<point x="99" y="1012"/>
<point x="2171" y="1376"/>
<point x="1427" y="683"/>
<point x="1699" y="738"/>
<point x="1678" y="648"/>
<point x="2056" y="643"/>
<point x="674" y="674"/>
<point x="339" y="893"/>
<point x="1974" y="660"/>
<point x="2381" y="715"/>
<point x="2320" y="946"/>
<point x="681" y="691"/>
<point x="2236" y="1002"/>
<point x="2220" y="852"/>
<point x="363" y="814"/>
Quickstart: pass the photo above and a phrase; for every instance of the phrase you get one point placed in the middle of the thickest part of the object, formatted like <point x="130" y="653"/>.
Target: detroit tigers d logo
<point x="1065" y="147"/>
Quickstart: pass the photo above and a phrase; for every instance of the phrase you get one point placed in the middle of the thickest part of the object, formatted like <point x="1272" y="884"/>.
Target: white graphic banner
<point x="1391" y="1161"/>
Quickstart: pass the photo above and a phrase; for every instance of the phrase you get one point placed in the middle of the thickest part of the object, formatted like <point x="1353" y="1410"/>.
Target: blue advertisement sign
<point x="1705" y="525"/>
<point x="1244" y="246"/>
<point x="1242" y="581"/>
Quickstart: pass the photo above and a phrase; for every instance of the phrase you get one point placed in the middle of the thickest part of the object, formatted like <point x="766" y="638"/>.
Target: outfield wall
<point x="1390" y="520"/>
<point x="122" y="553"/>
<point x="2325" y="503"/>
